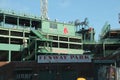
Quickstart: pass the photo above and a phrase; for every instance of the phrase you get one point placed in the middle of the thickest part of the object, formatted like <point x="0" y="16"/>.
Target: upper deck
<point x="21" y="31"/>
<point x="28" y="22"/>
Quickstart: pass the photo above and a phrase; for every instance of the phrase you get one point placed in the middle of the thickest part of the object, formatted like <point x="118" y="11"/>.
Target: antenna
<point x="44" y="9"/>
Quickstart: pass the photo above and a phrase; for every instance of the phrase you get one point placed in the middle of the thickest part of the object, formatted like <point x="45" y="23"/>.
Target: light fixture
<point x="80" y="78"/>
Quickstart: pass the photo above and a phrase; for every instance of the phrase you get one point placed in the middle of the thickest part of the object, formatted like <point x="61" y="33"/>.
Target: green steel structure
<point x="24" y="37"/>
<point x="27" y="36"/>
<point x="110" y="40"/>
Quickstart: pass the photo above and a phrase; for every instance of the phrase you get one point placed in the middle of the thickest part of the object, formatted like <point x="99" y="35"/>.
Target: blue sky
<point x="97" y="11"/>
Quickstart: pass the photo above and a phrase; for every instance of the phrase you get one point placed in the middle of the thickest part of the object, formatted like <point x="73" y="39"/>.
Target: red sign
<point x="63" y="58"/>
<point x="65" y="30"/>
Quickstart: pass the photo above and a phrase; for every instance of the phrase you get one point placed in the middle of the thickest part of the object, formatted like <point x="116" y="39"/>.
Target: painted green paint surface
<point x="62" y="29"/>
<point x="12" y="47"/>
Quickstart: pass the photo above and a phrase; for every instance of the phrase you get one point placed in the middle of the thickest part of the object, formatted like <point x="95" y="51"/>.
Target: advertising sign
<point x="63" y="58"/>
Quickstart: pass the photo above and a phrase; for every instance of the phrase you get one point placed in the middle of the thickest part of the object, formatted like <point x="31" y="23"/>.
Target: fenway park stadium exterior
<point x="33" y="48"/>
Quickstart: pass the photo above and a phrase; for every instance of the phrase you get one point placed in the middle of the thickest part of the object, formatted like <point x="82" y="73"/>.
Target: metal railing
<point x="105" y="29"/>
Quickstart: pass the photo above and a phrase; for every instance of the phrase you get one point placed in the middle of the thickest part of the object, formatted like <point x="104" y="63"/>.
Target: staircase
<point x="29" y="51"/>
<point x="38" y="34"/>
<point x="105" y="29"/>
<point x="43" y="49"/>
<point x="34" y="47"/>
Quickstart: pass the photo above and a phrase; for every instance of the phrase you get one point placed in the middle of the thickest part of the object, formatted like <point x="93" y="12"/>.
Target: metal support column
<point x="29" y="45"/>
<point x="4" y="16"/>
<point x="51" y="46"/>
<point x="35" y="52"/>
<point x="30" y="24"/>
<point x="104" y="49"/>
<point x="68" y="43"/>
<point x="91" y="35"/>
<point x="18" y="22"/>
<point x="9" y="58"/>
<point x="59" y="42"/>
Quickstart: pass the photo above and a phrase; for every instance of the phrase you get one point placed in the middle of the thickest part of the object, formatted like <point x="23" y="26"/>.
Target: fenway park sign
<point x="63" y="58"/>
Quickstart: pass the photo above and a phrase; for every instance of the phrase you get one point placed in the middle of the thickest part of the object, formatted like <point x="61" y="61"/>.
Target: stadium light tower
<point x="44" y="9"/>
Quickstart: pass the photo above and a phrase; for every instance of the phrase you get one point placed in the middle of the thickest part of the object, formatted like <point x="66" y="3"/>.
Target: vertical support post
<point x="9" y="58"/>
<point x="35" y="52"/>
<point x="58" y="42"/>
<point x="68" y="43"/>
<point x="51" y="46"/>
<point x="84" y="38"/>
<point x="30" y="24"/>
<point x="103" y="49"/>
<point x="29" y="45"/>
<point x="82" y="44"/>
<point x="92" y="34"/>
<point x="24" y="32"/>
<point x="4" y="16"/>
<point x="18" y="22"/>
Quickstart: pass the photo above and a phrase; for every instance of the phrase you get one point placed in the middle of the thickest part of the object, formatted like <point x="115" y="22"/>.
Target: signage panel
<point x="63" y="58"/>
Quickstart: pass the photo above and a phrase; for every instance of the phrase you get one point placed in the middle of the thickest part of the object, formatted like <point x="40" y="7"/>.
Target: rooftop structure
<point x="110" y="39"/>
<point x="27" y="34"/>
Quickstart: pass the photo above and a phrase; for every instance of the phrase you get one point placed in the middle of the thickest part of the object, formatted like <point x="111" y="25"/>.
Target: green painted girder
<point x="39" y="35"/>
<point x="29" y="56"/>
<point x="105" y="29"/>
<point x="12" y="47"/>
<point x="43" y="50"/>
<point x="31" y="44"/>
